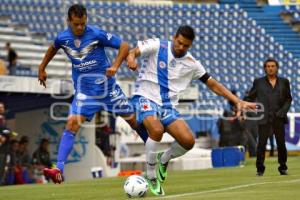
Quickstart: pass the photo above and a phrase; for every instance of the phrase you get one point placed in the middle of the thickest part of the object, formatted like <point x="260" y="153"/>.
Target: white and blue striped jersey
<point x="162" y="76"/>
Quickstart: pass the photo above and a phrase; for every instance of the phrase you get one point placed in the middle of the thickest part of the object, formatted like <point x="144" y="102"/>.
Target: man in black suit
<point x="273" y="93"/>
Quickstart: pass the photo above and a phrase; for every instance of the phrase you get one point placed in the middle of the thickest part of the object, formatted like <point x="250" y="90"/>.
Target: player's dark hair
<point x="271" y="60"/>
<point x="77" y="10"/>
<point x="186" y="31"/>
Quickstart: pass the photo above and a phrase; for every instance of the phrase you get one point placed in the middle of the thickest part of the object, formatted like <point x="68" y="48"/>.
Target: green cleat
<point x="161" y="171"/>
<point x="155" y="187"/>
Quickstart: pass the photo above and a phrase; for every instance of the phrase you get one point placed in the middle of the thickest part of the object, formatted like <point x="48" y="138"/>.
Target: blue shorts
<point x="145" y="107"/>
<point x="114" y="102"/>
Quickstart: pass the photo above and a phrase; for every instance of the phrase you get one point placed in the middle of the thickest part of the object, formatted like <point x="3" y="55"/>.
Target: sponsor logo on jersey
<point x="85" y="64"/>
<point x="162" y="64"/>
<point x="100" y="80"/>
<point x="77" y="43"/>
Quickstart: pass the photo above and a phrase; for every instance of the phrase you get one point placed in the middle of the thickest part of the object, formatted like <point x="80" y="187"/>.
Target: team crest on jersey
<point x="162" y="64"/>
<point x="77" y="43"/>
<point x="145" y="105"/>
<point x="173" y="63"/>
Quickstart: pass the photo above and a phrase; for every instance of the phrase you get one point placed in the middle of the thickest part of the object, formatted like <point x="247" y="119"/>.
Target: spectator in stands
<point x="40" y="160"/>
<point x="2" y="114"/>
<point x="4" y="151"/>
<point x="24" y="160"/>
<point x="273" y="93"/>
<point x="93" y="76"/>
<point x="41" y="156"/>
<point x="102" y="141"/>
<point x="12" y="57"/>
<point x="11" y="163"/>
<point x="168" y="71"/>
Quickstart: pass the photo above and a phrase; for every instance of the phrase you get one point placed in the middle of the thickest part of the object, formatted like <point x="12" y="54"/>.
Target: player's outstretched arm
<point x="42" y="76"/>
<point x="122" y="54"/>
<point x="219" y="89"/>
<point x="133" y="54"/>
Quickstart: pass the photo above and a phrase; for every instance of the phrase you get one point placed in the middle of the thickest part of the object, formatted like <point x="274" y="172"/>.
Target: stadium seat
<point x="228" y="37"/>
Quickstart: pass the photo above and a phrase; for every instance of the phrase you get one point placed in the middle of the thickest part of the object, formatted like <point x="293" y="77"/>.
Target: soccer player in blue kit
<point x="92" y="74"/>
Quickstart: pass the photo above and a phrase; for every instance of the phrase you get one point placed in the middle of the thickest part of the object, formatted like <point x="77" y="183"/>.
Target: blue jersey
<point x="88" y="57"/>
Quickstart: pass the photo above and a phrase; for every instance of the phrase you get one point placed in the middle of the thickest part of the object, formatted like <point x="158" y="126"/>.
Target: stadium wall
<point x="85" y="155"/>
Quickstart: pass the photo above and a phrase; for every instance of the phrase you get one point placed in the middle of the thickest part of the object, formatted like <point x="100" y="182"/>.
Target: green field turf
<point x="213" y="184"/>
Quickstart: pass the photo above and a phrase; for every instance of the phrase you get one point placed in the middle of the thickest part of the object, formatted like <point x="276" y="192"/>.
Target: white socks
<point x="173" y="152"/>
<point x="151" y="153"/>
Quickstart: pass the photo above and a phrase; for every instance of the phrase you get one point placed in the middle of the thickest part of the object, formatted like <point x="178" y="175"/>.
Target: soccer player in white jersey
<point x="168" y="70"/>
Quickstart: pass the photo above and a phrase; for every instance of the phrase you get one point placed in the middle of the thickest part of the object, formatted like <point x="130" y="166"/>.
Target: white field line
<point x="223" y="189"/>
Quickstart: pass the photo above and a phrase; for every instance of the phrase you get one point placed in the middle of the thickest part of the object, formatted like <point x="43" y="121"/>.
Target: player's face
<point x="181" y="45"/>
<point x="77" y="24"/>
<point x="271" y="68"/>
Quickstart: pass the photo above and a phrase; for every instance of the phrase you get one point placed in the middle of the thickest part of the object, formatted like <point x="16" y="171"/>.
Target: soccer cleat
<point x="155" y="187"/>
<point x="54" y="174"/>
<point x="161" y="171"/>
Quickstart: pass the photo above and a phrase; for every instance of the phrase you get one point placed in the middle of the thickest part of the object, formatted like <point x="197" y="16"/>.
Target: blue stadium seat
<point x="228" y="38"/>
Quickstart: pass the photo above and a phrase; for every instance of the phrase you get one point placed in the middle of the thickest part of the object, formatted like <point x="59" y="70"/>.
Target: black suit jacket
<point x="259" y="94"/>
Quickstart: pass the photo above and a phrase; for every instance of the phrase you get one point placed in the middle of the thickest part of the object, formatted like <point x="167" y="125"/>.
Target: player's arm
<point x="122" y="54"/>
<point x="42" y="75"/>
<point x="220" y="90"/>
<point x="143" y="48"/>
<point x="133" y="54"/>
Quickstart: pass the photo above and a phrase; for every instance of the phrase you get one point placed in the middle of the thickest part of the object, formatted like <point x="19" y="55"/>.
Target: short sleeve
<point x="149" y="46"/>
<point x="57" y="42"/>
<point x="199" y="71"/>
<point x="109" y="40"/>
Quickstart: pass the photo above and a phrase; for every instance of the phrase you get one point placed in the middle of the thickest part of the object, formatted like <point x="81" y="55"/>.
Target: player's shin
<point x="151" y="152"/>
<point x="65" y="148"/>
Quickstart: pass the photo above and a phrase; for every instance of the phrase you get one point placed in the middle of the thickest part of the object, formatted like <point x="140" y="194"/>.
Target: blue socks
<point x="65" y="148"/>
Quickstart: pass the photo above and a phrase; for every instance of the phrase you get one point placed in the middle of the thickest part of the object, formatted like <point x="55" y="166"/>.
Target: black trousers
<point x="275" y="127"/>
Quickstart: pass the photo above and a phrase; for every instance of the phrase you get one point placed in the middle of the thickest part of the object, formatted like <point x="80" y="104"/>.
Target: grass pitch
<point x="212" y="184"/>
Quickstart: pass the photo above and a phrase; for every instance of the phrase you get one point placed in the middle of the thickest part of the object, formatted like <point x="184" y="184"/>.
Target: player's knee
<point x="156" y="133"/>
<point x="73" y="125"/>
